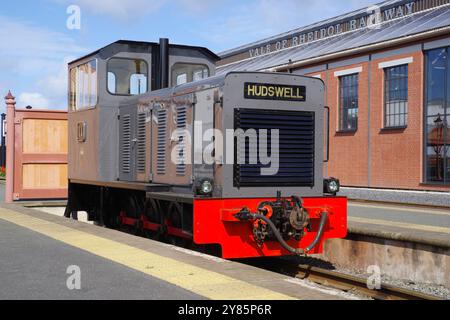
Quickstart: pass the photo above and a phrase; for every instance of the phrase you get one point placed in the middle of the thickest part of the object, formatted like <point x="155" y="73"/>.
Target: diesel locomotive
<point x="232" y="163"/>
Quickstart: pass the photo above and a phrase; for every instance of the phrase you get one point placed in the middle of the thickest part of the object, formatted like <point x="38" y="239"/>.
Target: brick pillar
<point x="10" y="116"/>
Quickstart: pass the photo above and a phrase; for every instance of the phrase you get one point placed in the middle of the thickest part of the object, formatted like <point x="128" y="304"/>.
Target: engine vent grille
<point x="126" y="143"/>
<point x="162" y="141"/>
<point x="296" y="143"/>
<point x="181" y="151"/>
<point x="142" y="141"/>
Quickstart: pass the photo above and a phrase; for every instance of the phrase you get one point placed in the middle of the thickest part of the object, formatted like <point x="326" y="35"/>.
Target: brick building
<point x="387" y="73"/>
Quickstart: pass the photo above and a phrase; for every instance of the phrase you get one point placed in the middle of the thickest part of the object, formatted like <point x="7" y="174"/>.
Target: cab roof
<point x="145" y="47"/>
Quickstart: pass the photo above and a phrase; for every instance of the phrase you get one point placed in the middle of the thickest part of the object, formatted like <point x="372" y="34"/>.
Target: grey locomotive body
<point x="166" y="137"/>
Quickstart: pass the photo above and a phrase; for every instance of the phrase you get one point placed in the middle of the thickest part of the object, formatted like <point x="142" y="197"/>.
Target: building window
<point x="83" y="86"/>
<point x="127" y="77"/>
<point x="437" y="112"/>
<point x="348" y="103"/>
<point x="396" y="97"/>
<point x="183" y="73"/>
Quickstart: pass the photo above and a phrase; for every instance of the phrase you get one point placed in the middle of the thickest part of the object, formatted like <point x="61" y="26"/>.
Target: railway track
<point x="340" y="281"/>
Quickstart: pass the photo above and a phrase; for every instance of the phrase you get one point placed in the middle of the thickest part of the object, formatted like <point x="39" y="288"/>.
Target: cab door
<point x="128" y="143"/>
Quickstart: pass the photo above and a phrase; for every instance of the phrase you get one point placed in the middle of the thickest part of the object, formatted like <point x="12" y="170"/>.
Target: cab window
<point x="83" y="86"/>
<point x="185" y="72"/>
<point x="127" y="76"/>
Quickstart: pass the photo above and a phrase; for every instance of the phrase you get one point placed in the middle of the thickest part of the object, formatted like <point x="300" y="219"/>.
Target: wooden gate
<point x="40" y="155"/>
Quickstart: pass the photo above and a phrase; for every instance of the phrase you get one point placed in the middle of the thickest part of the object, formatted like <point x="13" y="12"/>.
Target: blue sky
<point x="36" y="43"/>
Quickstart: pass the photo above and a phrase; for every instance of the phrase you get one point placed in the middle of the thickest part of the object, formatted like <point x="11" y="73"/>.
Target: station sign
<point x="374" y="16"/>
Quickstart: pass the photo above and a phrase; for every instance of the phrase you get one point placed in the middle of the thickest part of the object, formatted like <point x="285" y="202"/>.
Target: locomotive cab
<point x="113" y="76"/>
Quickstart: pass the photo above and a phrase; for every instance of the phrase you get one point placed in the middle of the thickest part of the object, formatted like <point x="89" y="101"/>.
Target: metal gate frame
<point x="16" y="158"/>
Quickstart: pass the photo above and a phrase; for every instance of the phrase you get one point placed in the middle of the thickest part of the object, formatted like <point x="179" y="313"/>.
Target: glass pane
<point x="111" y="82"/>
<point x="130" y="76"/>
<point x="435" y="131"/>
<point x="447" y="148"/>
<point x="435" y="168"/>
<point x="448" y="82"/>
<point x="184" y="73"/>
<point x="73" y="89"/>
<point x="138" y="84"/>
<point x="396" y="96"/>
<point x="181" y="79"/>
<point x="348" y="102"/>
<point x="447" y="166"/>
<point x="437" y="148"/>
<point x="436" y="74"/>
<point x="86" y="89"/>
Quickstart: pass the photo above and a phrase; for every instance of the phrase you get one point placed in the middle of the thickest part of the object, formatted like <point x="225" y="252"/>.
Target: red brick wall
<point x="396" y="155"/>
<point x="348" y="151"/>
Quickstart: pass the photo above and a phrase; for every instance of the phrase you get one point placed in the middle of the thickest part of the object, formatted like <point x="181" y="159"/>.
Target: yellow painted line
<point x="400" y="225"/>
<point x="431" y="211"/>
<point x="206" y="283"/>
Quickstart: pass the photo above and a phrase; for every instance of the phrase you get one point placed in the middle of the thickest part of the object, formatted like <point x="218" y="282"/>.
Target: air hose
<point x="251" y="216"/>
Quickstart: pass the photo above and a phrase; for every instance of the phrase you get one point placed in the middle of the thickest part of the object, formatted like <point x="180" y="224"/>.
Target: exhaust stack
<point x="164" y="65"/>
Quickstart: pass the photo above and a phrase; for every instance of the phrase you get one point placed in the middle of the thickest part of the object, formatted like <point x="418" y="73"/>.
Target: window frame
<point x="341" y="110"/>
<point x="148" y="89"/>
<point x="76" y="68"/>
<point x="189" y="64"/>
<point x="427" y="181"/>
<point x="386" y="83"/>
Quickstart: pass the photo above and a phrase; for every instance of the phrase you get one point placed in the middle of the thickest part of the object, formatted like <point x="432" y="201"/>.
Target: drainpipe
<point x="10" y="116"/>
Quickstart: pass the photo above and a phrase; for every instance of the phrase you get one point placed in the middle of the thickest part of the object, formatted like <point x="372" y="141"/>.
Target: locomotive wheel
<point x="132" y="207"/>
<point x="175" y="215"/>
<point x="74" y="215"/>
<point x="152" y="211"/>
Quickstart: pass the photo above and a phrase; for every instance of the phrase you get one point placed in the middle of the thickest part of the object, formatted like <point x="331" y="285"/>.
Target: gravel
<point x="426" y="288"/>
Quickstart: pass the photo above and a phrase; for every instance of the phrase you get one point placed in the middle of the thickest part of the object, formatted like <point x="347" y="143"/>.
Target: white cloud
<point x="34" y="59"/>
<point x="256" y="19"/>
<point x="201" y="6"/>
<point x="22" y="39"/>
<point x="34" y="99"/>
<point x="131" y="9"/>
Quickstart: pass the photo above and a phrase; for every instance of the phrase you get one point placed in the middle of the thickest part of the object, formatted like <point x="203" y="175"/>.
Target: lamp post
<point x="439" y="123"/>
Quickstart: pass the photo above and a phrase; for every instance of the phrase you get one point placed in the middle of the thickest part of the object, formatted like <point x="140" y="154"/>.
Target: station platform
<point x="37" y="248"/>
<point x="409" y="223"/>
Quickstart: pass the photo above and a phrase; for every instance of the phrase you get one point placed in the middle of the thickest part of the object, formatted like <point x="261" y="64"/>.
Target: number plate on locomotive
<point x="262" y="91"/>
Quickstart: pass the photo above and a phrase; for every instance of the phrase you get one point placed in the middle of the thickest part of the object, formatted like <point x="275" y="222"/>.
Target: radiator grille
<point x="126" y="143"/>
<point x="296" y="148"/>
<point x="142" y="141"/>
<point x="181" y="151"/>
<point x="162" y="141"/>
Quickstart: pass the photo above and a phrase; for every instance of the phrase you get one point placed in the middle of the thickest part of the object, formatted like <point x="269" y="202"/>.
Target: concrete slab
<point x="33" y="266"/>
<point x="398" y="196"/>
<point x="59" y="241"/>
<point x="415" y="224"/>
